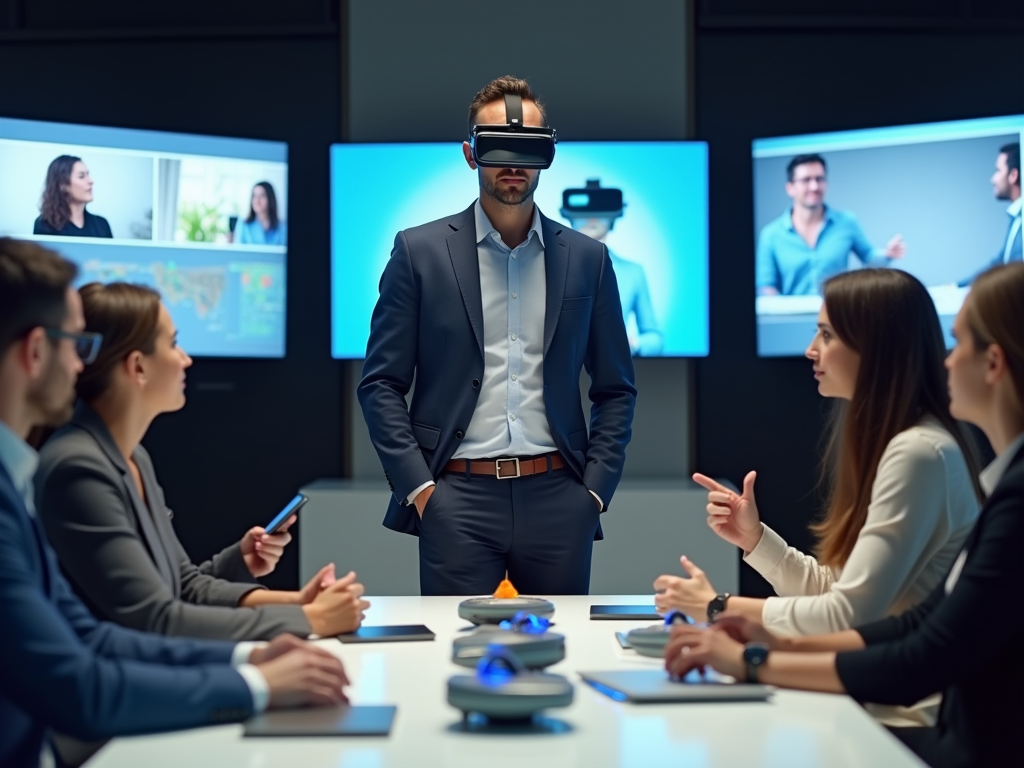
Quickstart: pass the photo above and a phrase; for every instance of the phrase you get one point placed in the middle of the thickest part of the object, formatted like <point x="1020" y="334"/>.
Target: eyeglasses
<point x="87" y="343"/>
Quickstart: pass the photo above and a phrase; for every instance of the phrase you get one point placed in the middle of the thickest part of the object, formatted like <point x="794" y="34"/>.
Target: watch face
<point x="755" y="653"/>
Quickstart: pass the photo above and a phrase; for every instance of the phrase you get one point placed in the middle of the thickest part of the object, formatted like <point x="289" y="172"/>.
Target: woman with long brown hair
<point x="67" y="191"/>
<point x="106" y="516"/>
<point x="965" y="638"/>
<point x="900" y="472"/>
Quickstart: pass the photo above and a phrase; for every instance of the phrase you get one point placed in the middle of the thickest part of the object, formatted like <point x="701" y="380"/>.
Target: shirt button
<point x="513" y="337"/>
<point x="514" y="377"/>
<point x="513" y="295"/>
<point x="513" y="417"/>
<point x="514" y="255"/>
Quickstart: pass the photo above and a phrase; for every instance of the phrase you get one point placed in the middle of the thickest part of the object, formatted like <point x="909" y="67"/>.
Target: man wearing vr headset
<point x="495" y="311"/>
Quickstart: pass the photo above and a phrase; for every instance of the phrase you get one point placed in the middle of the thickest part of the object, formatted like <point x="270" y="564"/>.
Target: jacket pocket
<point x="580" y="302"/>
<point x="426" y="436"/>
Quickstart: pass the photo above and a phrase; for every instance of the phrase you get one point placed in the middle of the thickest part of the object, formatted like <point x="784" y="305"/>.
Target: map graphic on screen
<point x="927" y="199"/>
<point x="201" y="219"/>
<point x="646" y="201"/>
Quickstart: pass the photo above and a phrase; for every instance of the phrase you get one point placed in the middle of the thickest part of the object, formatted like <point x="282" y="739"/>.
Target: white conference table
<point x="793" y="730"/>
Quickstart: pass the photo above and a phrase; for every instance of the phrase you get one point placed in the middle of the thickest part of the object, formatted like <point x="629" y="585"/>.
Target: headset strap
<point x="514" y="110"/>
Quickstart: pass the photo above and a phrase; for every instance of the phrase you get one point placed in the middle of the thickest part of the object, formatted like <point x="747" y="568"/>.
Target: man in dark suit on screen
<point x="495" y="311"/>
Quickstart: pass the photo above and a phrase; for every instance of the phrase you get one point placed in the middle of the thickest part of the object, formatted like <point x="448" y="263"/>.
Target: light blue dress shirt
<point x="21" y="461"/>
<point x="253" y="233"/>
<point x="510" y="418"/>
<point x="786" y="263"/>
<point x="636" y="300"/>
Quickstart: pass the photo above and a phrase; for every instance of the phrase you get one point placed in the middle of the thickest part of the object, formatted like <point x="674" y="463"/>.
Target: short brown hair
<point x="496" y="90"/>
<point x="128" y="316"/>
<point x="901" y="380"/>
<point x="34" y="282"/>
<point x="995" y="315"/>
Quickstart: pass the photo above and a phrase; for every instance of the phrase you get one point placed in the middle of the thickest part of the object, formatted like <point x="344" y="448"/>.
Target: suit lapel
<point x="556" y="266"/>
<point x="86" y="418"/>
<point x="463" y="252"/>
<point x="25" y="518"/>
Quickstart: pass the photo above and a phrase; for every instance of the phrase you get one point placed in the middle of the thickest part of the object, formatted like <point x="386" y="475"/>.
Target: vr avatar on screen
<point x="811" y="242"/>
<point x="593" y="210"/>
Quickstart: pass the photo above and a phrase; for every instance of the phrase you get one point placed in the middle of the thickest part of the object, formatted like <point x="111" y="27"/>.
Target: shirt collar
<point x="788" y="217"/>
<point x="1014" y="208"/>
<point x="993" y="473"/>
<point x="484" y="228"/>
<point x="18" y="458"/>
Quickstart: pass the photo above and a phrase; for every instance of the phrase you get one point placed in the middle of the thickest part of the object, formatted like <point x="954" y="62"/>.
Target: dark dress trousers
<point x="428" y="324"/>
<point x="121" y="553"/>
<point x="62" y="670"/>
<point x="967" y="644"/>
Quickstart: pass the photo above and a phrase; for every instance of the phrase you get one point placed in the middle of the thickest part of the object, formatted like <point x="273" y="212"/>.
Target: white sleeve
<point x="788" y="570"/>
<point x="908" y="500"/>
<point x="417" y="491"/>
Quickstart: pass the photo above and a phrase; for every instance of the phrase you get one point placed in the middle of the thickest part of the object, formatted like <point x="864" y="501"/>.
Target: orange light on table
<point x="506" y="590"/>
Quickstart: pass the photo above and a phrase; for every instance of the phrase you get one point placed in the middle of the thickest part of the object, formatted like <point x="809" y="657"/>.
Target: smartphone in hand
<point x="290" y="509"/>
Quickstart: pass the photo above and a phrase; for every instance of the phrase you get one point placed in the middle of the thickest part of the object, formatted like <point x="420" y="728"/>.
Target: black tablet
<point x="623" y="612"/>
<point x="388" y="634"/>
<point x="323" y="721"/>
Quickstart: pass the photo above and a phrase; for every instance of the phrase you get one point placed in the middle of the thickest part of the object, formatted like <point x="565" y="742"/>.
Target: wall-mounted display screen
<point x="647" y="201"/>
<point x="204" y="220"/>
<point x="934" y="200"/>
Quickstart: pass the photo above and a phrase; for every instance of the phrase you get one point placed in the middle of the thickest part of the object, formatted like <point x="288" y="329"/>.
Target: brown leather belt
<point x="507" y="468"/>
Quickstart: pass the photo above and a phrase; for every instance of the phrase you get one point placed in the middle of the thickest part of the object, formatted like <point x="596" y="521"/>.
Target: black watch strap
<point x="717" y="605"/>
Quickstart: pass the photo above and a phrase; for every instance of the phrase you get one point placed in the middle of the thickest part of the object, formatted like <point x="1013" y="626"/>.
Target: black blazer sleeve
<point x="949" y="639"/>
<point x="89" y="526"/>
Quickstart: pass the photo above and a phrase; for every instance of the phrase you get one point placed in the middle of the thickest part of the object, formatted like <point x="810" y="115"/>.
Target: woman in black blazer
<point x="104" y="512"/>
<point x="966" y="640"/>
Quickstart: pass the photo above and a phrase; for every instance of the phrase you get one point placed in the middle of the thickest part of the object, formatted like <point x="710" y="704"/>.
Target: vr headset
<point x="513" y="145"/>
<point x="592" y="202"/>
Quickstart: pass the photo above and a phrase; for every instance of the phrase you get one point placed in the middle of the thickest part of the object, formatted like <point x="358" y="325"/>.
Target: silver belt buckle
<point x="497" y="469"/>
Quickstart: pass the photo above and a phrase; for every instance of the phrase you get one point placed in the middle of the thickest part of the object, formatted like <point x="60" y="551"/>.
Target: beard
<point x="53" y="398"/>
<point x="508" y="196"/>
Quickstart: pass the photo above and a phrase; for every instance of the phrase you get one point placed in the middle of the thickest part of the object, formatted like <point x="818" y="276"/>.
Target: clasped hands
<point x="719" y="646"/>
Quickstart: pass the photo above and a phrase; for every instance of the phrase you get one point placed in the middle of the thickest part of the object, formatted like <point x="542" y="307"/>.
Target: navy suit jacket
<point x="61" y="669"/>
<point x="428" y="323"/>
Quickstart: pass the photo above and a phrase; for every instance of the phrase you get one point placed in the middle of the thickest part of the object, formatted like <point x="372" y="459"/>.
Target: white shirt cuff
<point x="600" y="504"/>
<point x="766" y="556"/>
<point x="257" y="686"/>
<point x="418" y="491"/>
<point x="243" y="651"/>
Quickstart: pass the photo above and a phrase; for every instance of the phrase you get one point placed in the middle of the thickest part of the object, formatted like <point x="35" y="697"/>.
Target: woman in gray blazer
<point x="104" y="511"/>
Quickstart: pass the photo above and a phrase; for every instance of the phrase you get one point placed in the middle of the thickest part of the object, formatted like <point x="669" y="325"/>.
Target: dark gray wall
<point x="606" y="69"/>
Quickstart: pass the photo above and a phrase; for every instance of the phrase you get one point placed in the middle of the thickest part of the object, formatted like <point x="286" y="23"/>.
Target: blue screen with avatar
<point x="658" y="240"/>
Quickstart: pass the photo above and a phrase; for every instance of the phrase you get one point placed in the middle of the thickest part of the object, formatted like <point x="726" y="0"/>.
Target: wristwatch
<point x="754" y="655"/>
<point x="717" y="605"/>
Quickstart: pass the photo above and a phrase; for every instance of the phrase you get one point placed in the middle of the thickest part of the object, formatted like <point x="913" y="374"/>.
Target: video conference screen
<point x="647" y="201"/>
<point x="929" y="199"/>
<point x="203" y="220"/>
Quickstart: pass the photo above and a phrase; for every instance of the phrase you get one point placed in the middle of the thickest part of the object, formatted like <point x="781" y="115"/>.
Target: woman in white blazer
<point x="902" y="478"/>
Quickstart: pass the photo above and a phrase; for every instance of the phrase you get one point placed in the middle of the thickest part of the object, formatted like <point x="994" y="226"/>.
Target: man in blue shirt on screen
<point x="810" y="242"/>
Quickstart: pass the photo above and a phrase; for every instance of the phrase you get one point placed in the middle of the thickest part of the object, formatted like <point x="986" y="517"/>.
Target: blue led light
<point x="611" y="693"/>
<point x="677" y="617"/>
<point x="498" y="666"/>
<point x="527" y="623"/>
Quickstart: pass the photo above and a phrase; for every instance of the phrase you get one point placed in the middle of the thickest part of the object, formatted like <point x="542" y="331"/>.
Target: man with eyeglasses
<point x="61" y="670"/>
<point x="810" y="242"/>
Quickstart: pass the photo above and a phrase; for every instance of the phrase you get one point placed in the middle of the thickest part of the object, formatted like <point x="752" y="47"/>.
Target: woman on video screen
<point x="262" y="226"/>
<point x="68" y="190"/>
